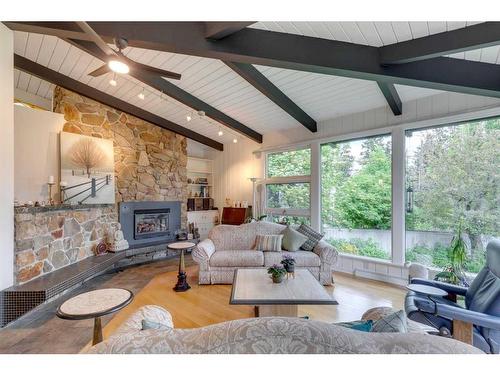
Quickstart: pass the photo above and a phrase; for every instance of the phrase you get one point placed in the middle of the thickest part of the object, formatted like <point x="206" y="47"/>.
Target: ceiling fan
<point x="116" y="61"/>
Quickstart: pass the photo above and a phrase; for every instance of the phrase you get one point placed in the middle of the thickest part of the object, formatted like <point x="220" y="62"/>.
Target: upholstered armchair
<point x="482" y="304"/>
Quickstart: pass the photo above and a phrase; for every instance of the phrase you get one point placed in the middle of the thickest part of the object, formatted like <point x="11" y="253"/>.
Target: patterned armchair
<point x="230" y="247"/>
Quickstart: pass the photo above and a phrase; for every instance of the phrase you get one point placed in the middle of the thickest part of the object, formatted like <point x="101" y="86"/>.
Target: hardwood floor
<point x="208" y="304"/>
<point x="42" y="332"/>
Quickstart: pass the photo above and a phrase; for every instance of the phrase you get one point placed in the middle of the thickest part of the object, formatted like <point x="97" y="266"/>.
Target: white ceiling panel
<point x="321" y="96"/>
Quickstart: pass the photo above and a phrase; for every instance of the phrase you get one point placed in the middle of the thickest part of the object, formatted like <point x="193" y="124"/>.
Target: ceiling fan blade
<point x="96" y="38"/>
<point x="152" y="69"/>
<point x="100" y="71"/>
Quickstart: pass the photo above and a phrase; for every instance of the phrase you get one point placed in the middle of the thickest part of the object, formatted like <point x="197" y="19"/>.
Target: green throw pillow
<point x="148" y="324"/>
<point x="292" y="240"/>
<point x="358" y="325"/>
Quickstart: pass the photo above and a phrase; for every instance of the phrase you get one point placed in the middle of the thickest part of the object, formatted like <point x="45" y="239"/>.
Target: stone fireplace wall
<point x="150" y="162"/>
<point x="49" y="238"/>
<point x="150" y="165"/>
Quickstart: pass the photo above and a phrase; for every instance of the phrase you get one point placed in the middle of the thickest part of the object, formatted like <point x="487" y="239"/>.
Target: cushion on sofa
<point x="238" y="258"/>
<point x="395" y="322"/>
<point x="313" y="237"/>
<point x="292" y="240"/>
<point x="302" y="258"/>
<point x="268" y="242"/>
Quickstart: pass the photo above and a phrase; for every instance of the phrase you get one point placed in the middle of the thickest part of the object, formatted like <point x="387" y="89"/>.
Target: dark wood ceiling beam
<point x="266" y="87"/>
<point x="288" y="51"/>
<point x="220" y="30"/>
<point x="168" y="88"/>
<point x="297" y="52"/>
<point x="482" y="35"/>
<point x="59" y="29"/>
<point x="392" y="97"/>
<point x="44" y="73"/>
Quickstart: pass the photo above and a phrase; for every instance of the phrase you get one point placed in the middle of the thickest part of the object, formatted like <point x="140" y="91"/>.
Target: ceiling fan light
<point x="118" y="66"/>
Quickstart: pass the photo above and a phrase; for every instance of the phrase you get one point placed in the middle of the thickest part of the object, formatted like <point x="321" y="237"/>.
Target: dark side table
<point x="95" y="304"/>
<point x="182" y="284"/>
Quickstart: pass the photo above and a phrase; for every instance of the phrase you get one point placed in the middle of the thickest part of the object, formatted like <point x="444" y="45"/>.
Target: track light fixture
<point x="141" y="95"/>
<point x="112" y="81"/>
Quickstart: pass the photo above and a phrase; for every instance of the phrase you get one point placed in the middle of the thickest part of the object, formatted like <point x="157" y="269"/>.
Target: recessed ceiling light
<point x="118" y="67"/>
<point x="188" y="117"/>
<point x="141" y="96"/>
<point x="221" y="133"/>
<point x="235" y="140"/>
<point x="113" y="82"/>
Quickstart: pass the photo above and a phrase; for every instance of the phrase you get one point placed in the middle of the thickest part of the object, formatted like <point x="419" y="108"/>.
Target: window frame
<point x="398" y="167"/>
<point x="285" y="180"/>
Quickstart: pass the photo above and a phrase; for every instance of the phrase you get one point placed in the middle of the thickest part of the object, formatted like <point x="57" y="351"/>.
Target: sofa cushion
<point x="238" y="258"/>
<point x="268" y="242"/>
<point x="313" y="237"/>
<point x="302" y="258"/>
<point x="292" y="240"/>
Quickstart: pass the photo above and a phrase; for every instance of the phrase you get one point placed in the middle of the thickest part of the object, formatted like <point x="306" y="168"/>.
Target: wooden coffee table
<point x="253" y="286"/>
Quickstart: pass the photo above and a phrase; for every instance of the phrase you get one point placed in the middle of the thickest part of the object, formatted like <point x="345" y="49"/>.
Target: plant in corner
<point x="453" y="273"/>
<point x="277" y="273"/>
<point x="288" y="263"/>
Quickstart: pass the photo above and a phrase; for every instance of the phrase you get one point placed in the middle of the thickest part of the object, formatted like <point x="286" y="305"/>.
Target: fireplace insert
<point x="151" y="223"/>
<point x="147" y="223"/>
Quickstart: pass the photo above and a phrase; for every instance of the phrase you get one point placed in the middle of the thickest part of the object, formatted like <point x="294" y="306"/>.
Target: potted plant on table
<point x="277" y="273"/>
<point x="288" y="263"/>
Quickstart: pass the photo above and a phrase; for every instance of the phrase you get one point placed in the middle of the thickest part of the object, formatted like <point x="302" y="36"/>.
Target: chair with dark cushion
<point x="482" y="304"/>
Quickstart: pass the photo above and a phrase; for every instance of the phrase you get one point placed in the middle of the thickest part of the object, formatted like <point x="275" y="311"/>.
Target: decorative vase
<point x="277" y="278"/>
<point x="290" y="268"/>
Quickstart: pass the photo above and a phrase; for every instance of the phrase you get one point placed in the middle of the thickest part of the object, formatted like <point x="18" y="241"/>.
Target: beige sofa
<point x="229" y="247"/>
<point x="265" y="336"/>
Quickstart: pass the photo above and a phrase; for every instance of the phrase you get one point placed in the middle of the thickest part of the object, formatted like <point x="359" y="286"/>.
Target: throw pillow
<point x="292" y="240"/>
<point x="313" y="237"/>
<point x="395" y="322"/>
<point x="148" y="324"/>
<point x="358" y="325"/>
<point x="268" y="242"/>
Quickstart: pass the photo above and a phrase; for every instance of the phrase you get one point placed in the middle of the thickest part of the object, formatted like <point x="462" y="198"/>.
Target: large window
<point x="452" y="181"/>
<point x="356" y="196"/>
<point x="287" y="188"/>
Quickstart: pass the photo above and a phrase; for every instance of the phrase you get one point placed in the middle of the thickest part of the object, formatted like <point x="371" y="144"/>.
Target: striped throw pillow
<point x="313" y="237"/>
<point x="268" y="242"/>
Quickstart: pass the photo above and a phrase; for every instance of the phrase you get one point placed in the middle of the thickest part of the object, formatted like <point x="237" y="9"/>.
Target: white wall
<point x="36" y="152"/>
<point x="232" y="169"/>
<point x="6" y="157"/>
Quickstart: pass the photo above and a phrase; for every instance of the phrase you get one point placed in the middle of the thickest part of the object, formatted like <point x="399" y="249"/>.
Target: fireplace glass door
<point x="151" y="223"/>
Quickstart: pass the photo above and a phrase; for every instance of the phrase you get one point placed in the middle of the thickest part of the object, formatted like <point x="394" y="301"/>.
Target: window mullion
<point x="398" y="196"/>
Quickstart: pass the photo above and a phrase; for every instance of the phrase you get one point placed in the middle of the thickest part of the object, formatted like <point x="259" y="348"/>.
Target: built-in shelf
<point x="200" y="168"/>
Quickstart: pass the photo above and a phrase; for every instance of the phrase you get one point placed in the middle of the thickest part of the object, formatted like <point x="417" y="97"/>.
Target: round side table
<point x="182" y="284"/>
<point x="427" y="290"/>
<point x="95" y="304"/>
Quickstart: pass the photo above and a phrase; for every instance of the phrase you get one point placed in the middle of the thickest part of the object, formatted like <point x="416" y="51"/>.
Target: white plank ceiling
<point x="321" y="96"/>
